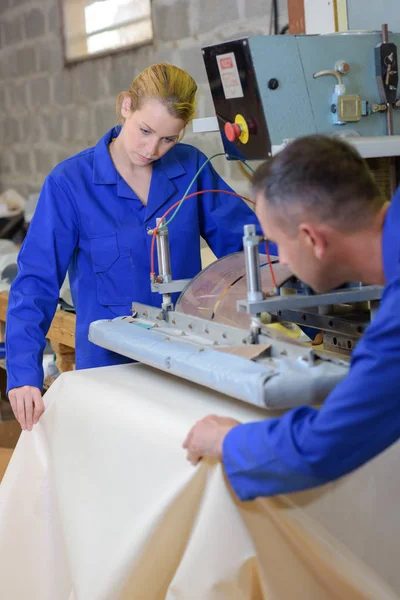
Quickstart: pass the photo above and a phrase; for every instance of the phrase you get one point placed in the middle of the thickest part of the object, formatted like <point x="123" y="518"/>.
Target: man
<point x="317" y="200"/>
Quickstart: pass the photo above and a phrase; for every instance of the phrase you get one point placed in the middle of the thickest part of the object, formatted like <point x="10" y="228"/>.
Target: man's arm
<point x="306" y="448"/>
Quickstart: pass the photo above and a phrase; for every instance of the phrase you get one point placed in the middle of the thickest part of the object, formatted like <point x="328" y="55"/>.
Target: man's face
<point x="306" y="251"/>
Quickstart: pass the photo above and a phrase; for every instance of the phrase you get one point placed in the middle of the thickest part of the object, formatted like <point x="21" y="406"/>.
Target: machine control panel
<point x="237" y="100"/>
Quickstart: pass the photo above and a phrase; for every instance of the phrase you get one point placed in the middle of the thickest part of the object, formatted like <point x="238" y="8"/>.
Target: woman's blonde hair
<point x="175" y="88"/>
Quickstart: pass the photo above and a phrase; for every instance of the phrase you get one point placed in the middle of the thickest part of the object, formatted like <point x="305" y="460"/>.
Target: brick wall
<point x="49" y="111"/>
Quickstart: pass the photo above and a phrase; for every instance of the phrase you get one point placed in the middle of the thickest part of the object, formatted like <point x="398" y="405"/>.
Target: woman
<point x="93" y="218"/>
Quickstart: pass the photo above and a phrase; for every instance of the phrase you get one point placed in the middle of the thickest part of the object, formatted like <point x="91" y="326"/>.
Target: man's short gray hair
<point x="319" y="177"/>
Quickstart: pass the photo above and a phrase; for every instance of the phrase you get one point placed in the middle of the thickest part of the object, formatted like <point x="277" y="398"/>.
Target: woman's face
<point x="149" y="132"/>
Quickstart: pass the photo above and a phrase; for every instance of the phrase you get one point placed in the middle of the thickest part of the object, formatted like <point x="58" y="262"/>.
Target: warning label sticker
<point x="229" y="76"/>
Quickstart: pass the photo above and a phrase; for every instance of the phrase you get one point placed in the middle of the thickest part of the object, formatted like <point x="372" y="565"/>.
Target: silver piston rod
<point x="253" y="276"/>
<point x="163" y="254"/>
<point x="164" y="261"/>
<point x="253" y="272"/>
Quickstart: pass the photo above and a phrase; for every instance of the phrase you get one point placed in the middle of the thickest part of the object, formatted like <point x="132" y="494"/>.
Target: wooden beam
<point x="62" y="329"/>
<point x="341" y="11"/>
<point x="65" y="356"/>
<point x="3" y="305"/>
<point x="297" y="21"/>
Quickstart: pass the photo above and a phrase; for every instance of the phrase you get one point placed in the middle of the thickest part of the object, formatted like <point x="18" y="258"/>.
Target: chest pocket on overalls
<point x="114" y="270"/>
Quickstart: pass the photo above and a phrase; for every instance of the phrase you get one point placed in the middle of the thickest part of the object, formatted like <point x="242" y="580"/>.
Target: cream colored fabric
<point x="207" y="257"/>
<point x="99" y="503"/>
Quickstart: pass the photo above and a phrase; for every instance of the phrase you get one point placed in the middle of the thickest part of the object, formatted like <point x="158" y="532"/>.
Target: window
<point x="93" y="27"/>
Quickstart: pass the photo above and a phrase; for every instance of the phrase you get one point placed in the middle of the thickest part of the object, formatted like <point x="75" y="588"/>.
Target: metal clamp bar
<point x="347" y="296"/>
<point x="336" y="323"/>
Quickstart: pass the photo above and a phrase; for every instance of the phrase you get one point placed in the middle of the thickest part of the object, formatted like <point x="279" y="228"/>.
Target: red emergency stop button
<point x="232" y="131"/>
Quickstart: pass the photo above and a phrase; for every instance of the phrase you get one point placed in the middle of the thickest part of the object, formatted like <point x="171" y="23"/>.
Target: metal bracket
<point x="176" y="285"/>
<point x="213" y="333"/>
<point x="345" y="296"/>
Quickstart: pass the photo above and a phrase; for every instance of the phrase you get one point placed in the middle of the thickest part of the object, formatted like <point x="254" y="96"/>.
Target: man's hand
<point x="205" y="439"/>
<point x="27" y="404"/>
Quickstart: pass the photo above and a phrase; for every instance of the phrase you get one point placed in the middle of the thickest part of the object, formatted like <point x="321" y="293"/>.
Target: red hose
<point x="152" y="257"/>
<point x="172" y="208"/>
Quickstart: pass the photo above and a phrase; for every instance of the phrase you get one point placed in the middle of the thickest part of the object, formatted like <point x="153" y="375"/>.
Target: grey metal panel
<point x="301" y="104"/>
<point x="362" y="14"/>
<point x="287" y="109"/>
<point x="322" y="52"/>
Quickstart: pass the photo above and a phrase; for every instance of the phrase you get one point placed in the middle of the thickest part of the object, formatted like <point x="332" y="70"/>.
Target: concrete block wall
<point x="49" y="111"/>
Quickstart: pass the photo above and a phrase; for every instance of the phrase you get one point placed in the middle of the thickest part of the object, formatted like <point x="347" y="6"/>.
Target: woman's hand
<point x="27" y="404"/>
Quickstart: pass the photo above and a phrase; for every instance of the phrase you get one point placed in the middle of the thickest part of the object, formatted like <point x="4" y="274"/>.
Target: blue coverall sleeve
<point x="42" y="265"/>
<point x="307" y="447"/>
<point x="223" y="216"/>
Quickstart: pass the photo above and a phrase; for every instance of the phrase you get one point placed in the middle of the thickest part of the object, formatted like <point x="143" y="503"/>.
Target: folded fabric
<point x="99" y="503"/>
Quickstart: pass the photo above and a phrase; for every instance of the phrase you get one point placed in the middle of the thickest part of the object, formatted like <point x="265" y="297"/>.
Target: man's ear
<point x="314" y="239"/>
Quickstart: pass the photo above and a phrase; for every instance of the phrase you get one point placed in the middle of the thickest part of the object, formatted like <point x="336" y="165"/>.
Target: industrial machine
<point x="268" y="90"/>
